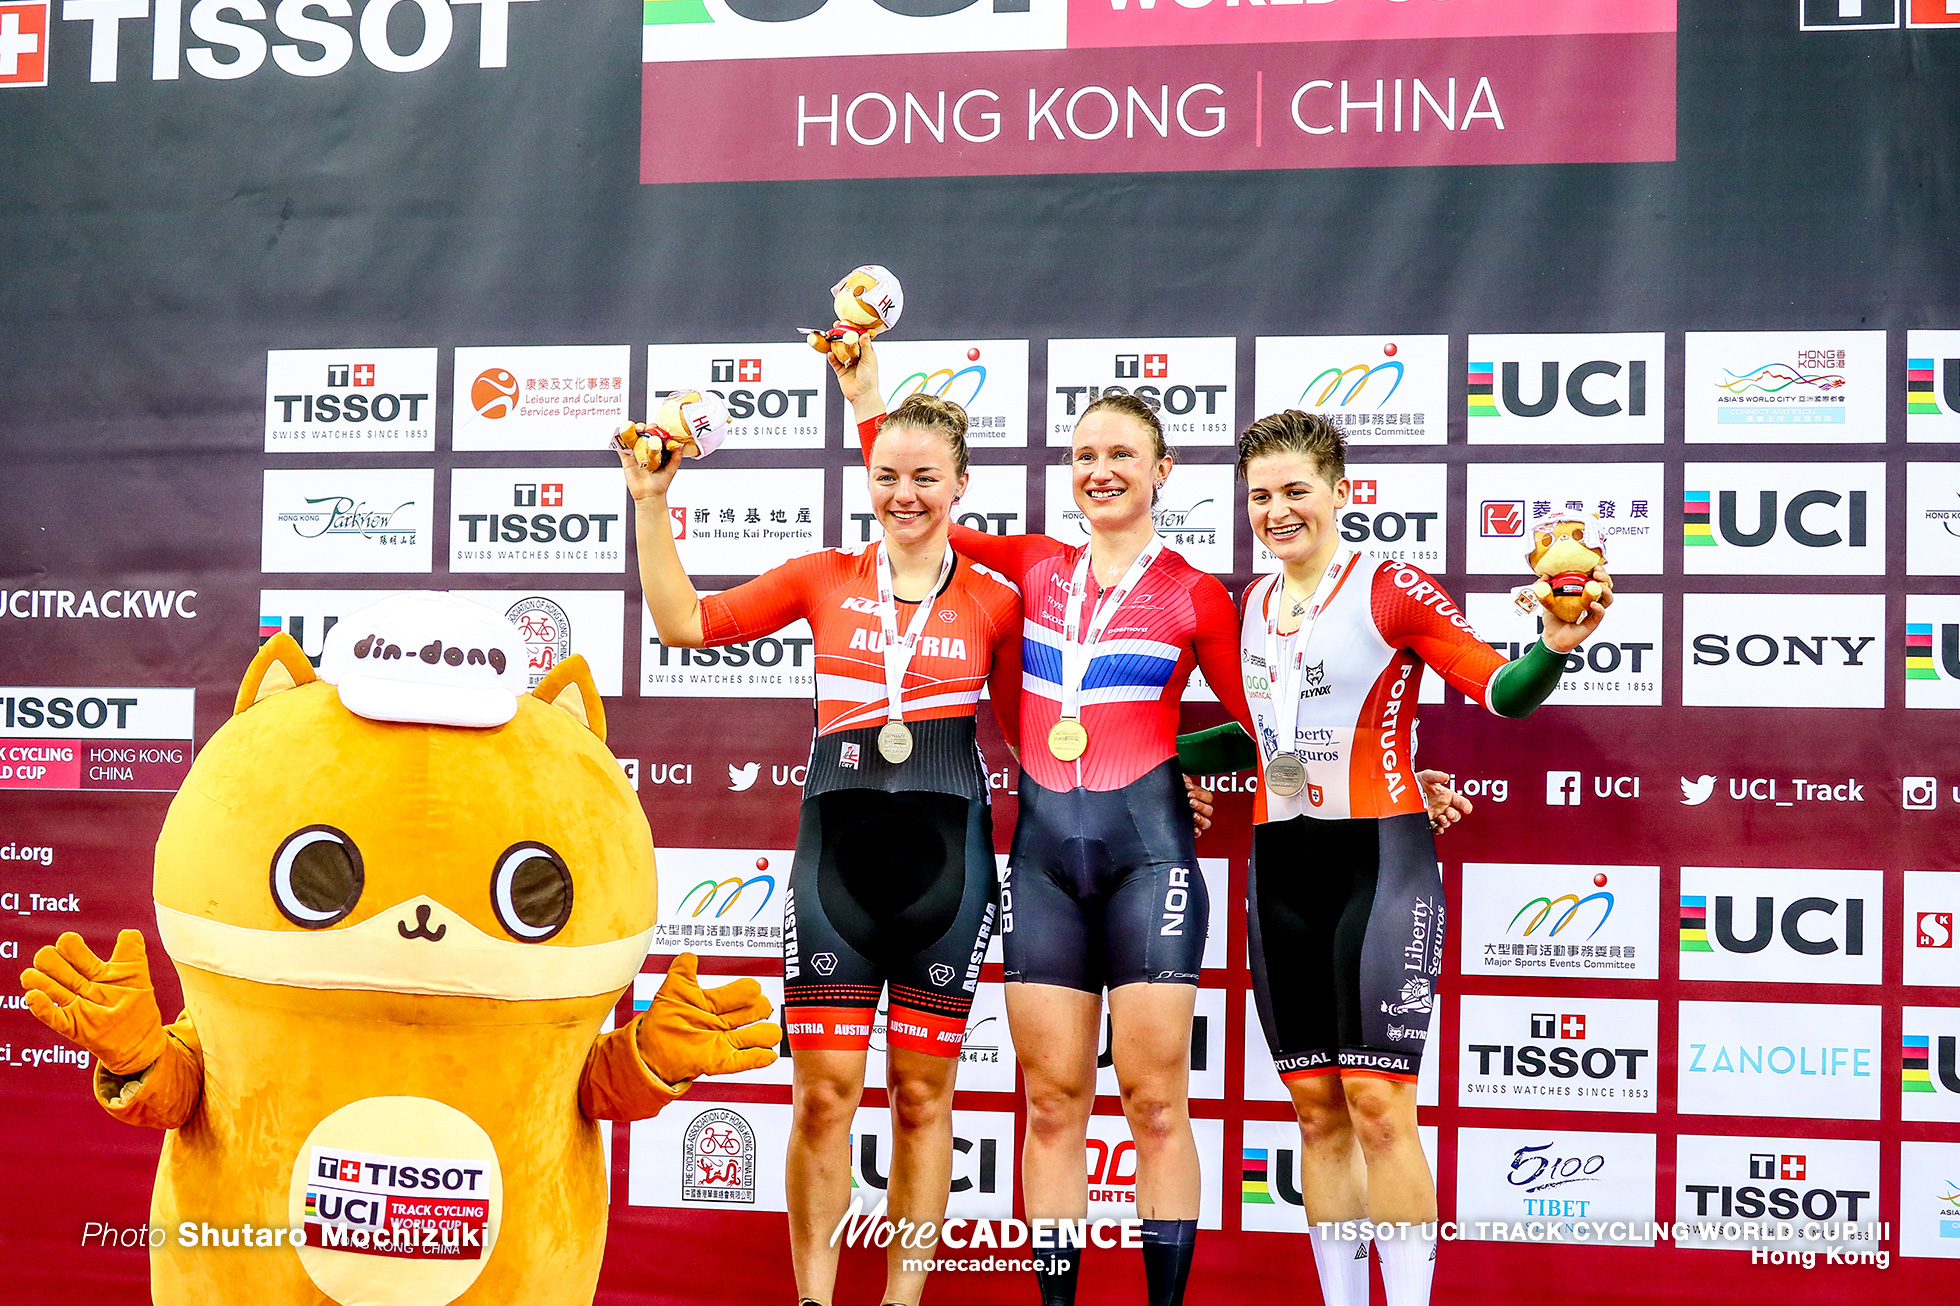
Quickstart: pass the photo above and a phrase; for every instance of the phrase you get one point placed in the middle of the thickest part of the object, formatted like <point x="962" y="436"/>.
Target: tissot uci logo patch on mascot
<point x="373" y="877"/>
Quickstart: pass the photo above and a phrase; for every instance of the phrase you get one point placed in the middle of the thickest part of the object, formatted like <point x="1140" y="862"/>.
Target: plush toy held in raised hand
<point x="868" y="301"/>
<point x="1565" y="548"/>
<point x="690" y="423"/>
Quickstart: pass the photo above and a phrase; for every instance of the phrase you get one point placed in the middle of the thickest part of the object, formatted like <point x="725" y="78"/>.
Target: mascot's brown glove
<point x="108" y="1007"/>
<point x="691" y="1031"/>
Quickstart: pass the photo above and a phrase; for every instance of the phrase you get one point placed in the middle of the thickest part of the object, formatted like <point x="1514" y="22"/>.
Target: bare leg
<point x="1151" y="1044"/>
<point x="922" y="1159"/>
<point x="1055" y="1038"/>
<point x="1383" y="1111"/>
<point x="1333" y="1179"/>
<point x="828" y="1085"/>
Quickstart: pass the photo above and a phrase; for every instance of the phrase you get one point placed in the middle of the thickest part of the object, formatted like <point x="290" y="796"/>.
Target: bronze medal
<point x="895" y="742"/>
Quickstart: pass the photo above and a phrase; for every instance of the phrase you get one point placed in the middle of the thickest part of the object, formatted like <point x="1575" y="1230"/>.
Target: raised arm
<point x="670" y="596"/>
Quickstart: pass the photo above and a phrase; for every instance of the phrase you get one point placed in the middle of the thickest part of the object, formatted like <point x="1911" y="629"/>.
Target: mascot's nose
<point x="422" y="930"/>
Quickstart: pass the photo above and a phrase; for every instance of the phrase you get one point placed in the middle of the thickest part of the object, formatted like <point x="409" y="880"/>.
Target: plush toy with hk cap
<point x="868" y="300"/>
<point x="1566" y="547"/>
<point x="402" y="896"/>
<point x="688" y="424"/>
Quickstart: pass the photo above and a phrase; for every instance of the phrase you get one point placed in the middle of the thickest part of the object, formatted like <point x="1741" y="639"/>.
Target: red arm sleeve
<point x="1010" y="555"/>
<point x="1216" y="641"/>
<point x="1004" y="679"/>
<point x="1421" y="617"/>
<point x="868" y="434"/>
<point x="764" y="605"/>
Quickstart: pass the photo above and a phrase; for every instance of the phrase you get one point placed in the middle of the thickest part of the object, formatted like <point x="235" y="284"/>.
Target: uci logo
<point x="1598" y="387"/>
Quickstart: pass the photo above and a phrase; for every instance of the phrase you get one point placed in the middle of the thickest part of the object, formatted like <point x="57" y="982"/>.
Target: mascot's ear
<point x="570" y="686"/>
<point x="279" y="665"/>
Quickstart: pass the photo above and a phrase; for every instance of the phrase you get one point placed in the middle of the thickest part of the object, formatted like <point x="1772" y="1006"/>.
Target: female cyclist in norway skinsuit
<point x="1103" y="888"/>
<point x="893" y="880"/>
<point x="1347" y="913"/>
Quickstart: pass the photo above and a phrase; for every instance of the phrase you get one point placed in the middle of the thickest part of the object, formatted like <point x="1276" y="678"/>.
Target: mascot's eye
<point x="317" y="877"/>
<point x="532" y="892"/>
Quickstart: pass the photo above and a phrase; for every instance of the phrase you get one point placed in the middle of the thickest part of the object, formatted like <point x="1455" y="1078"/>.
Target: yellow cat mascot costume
<point x="402" y="896"/>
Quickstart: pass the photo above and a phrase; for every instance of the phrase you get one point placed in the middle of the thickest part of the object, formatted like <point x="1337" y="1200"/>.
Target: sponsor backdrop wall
<point x="307" y="304"/>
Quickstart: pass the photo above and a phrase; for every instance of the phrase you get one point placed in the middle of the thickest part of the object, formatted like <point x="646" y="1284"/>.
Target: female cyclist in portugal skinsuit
<point x="1346" y="903"/>
<point x="893" y="880"/>
<point x="1103" y="887"/>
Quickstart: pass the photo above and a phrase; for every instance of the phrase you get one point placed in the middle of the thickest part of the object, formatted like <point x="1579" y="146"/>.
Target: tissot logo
<point x="1579" y="389"/>
<point x="774" y="390"/>
<point x="344" y="399"/>
<point x="1397" y="510"/>
<point x="1783" y="650"/>
<point x="1848" y="15"/>
<point x="241" y="35"/>
<point x="1796" y="1182"/>
<point x="1187" y="382"/>
<point x="1595" y="1055"/>
<point x="1769" y="519"/>
<point x="552" y="519"/>
<point x="1781" y="926"/>
<point x="996" y="502"/>
<point x="24" y="43"/>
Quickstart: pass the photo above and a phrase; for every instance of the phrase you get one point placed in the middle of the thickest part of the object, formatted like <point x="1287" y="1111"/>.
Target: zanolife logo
<point x="1812" y="1060"/>
<point x="1568" y="1054"/>
<point x="1781" y="926"/>
<point x="1567" y="389"/>
<point x="240" y="36"/>
<point x="1784" y="519"/>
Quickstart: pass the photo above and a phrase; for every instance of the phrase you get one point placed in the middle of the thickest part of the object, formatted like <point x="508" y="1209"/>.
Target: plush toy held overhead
<point x="402" y="897"/>
<point x="689" y="423"/>
<point x="868" y="300"/>
<point x="1565" y="547"/>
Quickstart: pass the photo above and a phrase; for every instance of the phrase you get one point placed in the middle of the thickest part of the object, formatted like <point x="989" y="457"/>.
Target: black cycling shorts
<point x="1346" y="928"/>
<point x="1103" y="887"/>
<point x="887" y="887"/>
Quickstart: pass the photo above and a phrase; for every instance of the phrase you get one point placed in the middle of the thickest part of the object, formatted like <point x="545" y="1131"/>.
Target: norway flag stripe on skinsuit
<point x="1357" y="715"/>
<point x="1176" y="618"/>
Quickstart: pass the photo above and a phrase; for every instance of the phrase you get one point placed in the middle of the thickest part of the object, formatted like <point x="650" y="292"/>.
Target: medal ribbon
<point x="898" y="652"/>
<point x="1286" y="680"/>
<point x="1077" y="654"/>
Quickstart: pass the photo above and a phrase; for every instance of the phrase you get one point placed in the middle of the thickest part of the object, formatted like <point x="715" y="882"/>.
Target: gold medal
<point x="1286" y="774"/>
<point x="895" y="742"/>
<point x="1068" y="740"/>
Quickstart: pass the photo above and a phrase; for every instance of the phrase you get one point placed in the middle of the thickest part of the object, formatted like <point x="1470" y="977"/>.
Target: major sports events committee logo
<point x="1529" y="919"/>
<point x="24" y="43"/>
<point x="1378" y="390"/>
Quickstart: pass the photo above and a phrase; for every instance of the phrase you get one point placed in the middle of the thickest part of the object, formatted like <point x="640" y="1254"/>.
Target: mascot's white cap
<point x="884" y="296"/>
<point x="432" y="659"/>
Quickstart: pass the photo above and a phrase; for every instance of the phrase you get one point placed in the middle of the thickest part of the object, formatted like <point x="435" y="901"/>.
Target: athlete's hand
<point x="646" y="484"/>
<point x="108" y="1007"/>
<point x="1564" y="636"/>
<point x="858" y="379"/>
<point x="1200" y="804"/>
<point x="1446" y="805"/>
<point x="690" y="1031"/>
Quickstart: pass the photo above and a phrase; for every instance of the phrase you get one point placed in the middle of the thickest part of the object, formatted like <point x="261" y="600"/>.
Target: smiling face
<point x="914" y="481"/>
<point x="1291" y="506"/>
<point x="1116" y="469"/>
<point x="316" y="849"/>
